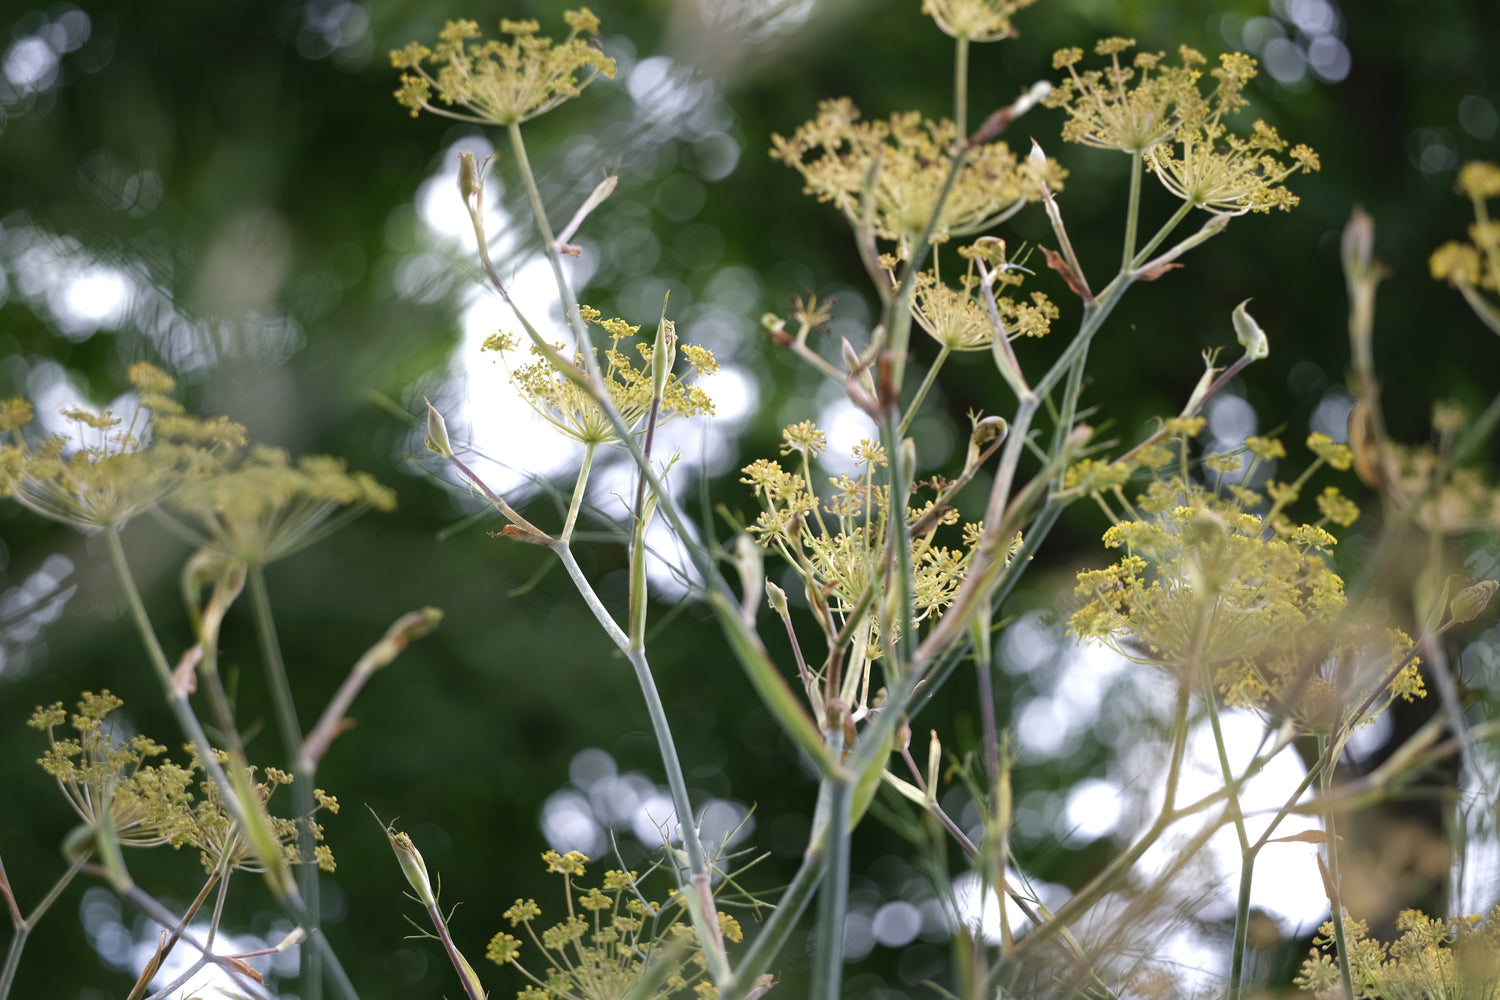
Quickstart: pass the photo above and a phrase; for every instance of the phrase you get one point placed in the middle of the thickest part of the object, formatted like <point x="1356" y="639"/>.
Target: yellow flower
<point x="907" y="158"/>
<point x="501" y="83"/>
<point x="1216" y="170"/>
<point x="567" y="407"/>
<point x="1203" y="587"/>
<point x="975" y="20"/>
<point x="1132" y="105"/>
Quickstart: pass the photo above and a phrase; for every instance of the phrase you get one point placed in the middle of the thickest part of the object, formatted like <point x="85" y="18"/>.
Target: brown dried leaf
<point x="1152" y="273"/>
<point x="1075" y="281"/>
<point x="1305" y="837"/>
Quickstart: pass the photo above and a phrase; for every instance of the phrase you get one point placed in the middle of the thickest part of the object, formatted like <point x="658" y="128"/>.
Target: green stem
<point x="1336" y="906"/>
<point x="176" y="700"/>
<point x="699" y="896"/>
<point x="697" y="860"/>
<point x="24" y="927"/>
<point x="1132" y="211"/>
<point x="916" y="401"/>
<point x="579" y="488"/>
<point x="778" y="927"/>
<point x="549" y="246"/>
<point x="833" y="900"/>
<point x="961" y="88"/>
<point x="302" y="775"/>
<point x="1145" y="252"/>
<point x="191" y="728"/>
<point x="1247" y="854"/>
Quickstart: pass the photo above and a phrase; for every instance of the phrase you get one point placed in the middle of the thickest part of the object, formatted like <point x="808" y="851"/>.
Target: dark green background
<point x="470" y="730"/>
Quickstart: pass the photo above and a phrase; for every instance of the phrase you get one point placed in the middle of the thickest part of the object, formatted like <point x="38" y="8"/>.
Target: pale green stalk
<point x="704" y="921"/>
<point x="916" y="401"/>
<point x="176" y="700"/>
<point x="181" y="710"/>
<point x="1247" y="854"/>
<point x="1336" y="904"/>
<point x="778" y="927"/>
<point x="961" y="87"/>
<point x="833" y="901"/>
<point x="579" y="488"/>
<point x="153" y="909"/>
<point x="23" y="926"/>
<point x="1120" y="865"/>
<point x="1132" y="211"/>
<point x="303" y="799"/>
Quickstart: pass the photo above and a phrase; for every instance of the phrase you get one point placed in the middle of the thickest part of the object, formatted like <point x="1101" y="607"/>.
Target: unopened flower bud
<point x="776" y="598"/>
<point x="663" y="353"/>
<point x="1037" y="157"/>
<point x="1252" y="338"/>
<point x="934" y="761"/>
<point x="437" y="432"/>
<point x="850" y="355"/>
<point x="412" y="866"/>
<point x="1470" y="602"/>
<point x="468" y="176"/>
<point x="1357" y="248"/>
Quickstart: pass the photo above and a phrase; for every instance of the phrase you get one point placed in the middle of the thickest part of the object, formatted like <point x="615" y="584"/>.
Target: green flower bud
<point x="437" y="432"/>
<point x="1252" y="338"/>
<point x="1470" y="602"/>
<point x="776" y="598"/>
<point x="412" y="866"/>
<point x="663" y="353"/>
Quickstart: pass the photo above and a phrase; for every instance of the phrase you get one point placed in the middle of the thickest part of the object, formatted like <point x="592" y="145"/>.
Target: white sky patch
<point x="131" y="947"/>
<point x="845" y="425"/>
<point x="981" y="909"/>
<point x="1286" y="881"/>
<point x="1093" y="810"/>
<point x="441" y="206"/>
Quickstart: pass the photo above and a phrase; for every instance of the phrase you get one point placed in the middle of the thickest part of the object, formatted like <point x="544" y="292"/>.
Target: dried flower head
<point x="501" y="83"/>
<point x="836" y="544"/>
<point x="222" y="842"/>
<point x="1474" y="267"/>
<point x="1212" y="168"/>
<point x="905" y="161"/>
<point x="105" y="777"/>
<point x="1150" y="107"/>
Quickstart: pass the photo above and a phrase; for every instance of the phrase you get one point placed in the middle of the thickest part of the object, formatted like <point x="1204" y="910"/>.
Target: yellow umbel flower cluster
<point x="1209" y="588"/>
<point x="566" y="406"/>
<point x="255" y="506"/>
<point x="1147" y="106"/>
<point x="1474" y="267"/>
<point x="975" y="20"/>
<point x="500" y="83"/>
<point x="904" y="161"/>
<point x="117" y="470"/>
<point x="840" y="556"/>
<point x="107" y="780"/>
<point x="1458" y="957"/>
<point x="959" y="319"/>
<point x="620" y="942"/>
